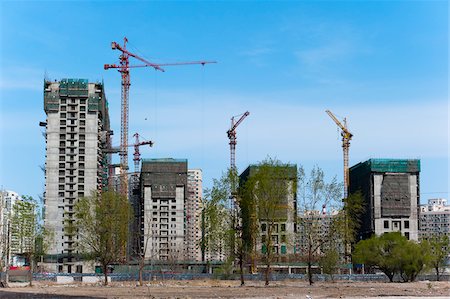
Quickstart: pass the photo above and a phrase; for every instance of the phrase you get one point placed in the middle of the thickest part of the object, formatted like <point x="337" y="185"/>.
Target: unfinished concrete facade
<point x="163" y="187"/>
<point x="193" y="215"/>
<point x="76" y="134"/>
<point x="391" y="191"/>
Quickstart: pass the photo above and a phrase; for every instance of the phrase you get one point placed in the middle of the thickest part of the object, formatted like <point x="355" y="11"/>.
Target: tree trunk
<point x="391" y="277"/>
<point x="105" y="272"/>
<point x="141" y="268"/>
<point x="267" y="273"/>
<point x="31" y="273"/>
<point x="310" y="279"/>
<point x="437" y="273"/>
<point x="241" y="269"/>
<point x="310" y="273"/>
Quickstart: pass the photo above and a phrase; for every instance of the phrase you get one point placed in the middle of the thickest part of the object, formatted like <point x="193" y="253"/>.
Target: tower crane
<point x="232" y="136"/>
<point x="346" y="137"/>
<point x="124" y="69"/>
<point x="137" y="154"/>
<point x="233" y="197"/>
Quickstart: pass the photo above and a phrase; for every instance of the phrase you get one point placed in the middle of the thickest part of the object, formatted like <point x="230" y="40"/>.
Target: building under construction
<point x="391" y="192"/>
<point x="76" y="135"/>
<point x="163" y="186"/>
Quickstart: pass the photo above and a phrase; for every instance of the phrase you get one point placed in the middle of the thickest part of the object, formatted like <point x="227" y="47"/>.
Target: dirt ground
<point x="231" y="289"/>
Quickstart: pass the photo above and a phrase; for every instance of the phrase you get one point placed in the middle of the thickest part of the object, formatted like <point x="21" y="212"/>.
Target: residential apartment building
<point x="164" y="191"/>
<point x="77" y="128"/>
<point x="434" y="219"/>
<point x="284" y="231"/>
<point x="391" y="192"/>
<point x="194" y="215"/>
<point x="7" y="201"/>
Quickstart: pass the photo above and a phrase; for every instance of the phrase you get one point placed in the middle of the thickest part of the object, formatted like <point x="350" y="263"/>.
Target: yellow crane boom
<point x="346" y="137"/>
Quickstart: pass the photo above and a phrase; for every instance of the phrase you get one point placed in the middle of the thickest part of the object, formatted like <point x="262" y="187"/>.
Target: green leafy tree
<point x="381" y="252"/>
<point x="412" y="259"/>
<point x="317" y="233"/>
<point x="329" y="261"/>
<point x="267" y="191"/>
<point x="102" y="222"/>
<point x="439" y="247"/>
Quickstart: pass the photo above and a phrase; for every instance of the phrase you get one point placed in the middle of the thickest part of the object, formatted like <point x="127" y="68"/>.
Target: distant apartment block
<point x="77" y="128"/>
<point x="391" y="192"/>
<point x="163" y="187"/>
<point x="7" y="201"/>
<point x="316" y="224"/>
<point x="434" y="219"/>
<point x="194" y="215"/>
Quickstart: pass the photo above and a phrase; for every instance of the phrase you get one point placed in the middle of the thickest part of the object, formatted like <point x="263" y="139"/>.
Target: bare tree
<point x="317" y="230"/>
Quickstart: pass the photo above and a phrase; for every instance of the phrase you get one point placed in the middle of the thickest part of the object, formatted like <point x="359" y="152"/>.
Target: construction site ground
<point x="230" y="289"/>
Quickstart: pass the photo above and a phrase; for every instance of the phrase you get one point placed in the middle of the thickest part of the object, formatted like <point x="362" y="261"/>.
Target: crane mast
<point x="124" y="69"/>
<point x="137" y="154"/>
<point x="346" y="137"/>
<point x="232" y="136"/>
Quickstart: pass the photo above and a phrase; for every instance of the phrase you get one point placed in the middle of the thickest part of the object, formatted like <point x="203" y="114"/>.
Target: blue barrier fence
<point x="149" y="276"/>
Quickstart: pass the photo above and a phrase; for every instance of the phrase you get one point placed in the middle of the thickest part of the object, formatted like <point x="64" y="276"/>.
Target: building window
<point x="81" y="172"/>
<point x="82" y="122"/>
<point x="386" y="224"/>
<point x="82" y="115"/>
<point x="263" y="227"/>
<point x="283" y="227"/>
<point x="406" y="224"/>
<point x="63" y="115"/>
<point x="62" y="122"/>
<point x="407" y="235"/>
<point x="81" y="151"/>
<point x="82" y="101"/>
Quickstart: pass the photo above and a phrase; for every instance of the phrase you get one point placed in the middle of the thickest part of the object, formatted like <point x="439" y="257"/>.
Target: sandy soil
<point x="231" y="289"/>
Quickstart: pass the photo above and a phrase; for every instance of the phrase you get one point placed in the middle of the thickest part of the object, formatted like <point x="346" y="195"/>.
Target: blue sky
<point x="381" y="64"/>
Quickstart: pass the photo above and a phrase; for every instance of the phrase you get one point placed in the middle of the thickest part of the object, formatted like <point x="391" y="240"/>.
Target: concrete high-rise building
<point x="391" y="192"/>
<point x="194" y="215"/>
<point x="434" y="219"/>
<point x="77" y="128"/>
<point x="163" y="196"/>
<point x="284" y="232"/>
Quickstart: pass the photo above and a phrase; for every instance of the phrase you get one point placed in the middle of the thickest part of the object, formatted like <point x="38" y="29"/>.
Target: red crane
<point x="137" y="154"/>
<point x="232" y="136"/>
<point x="124" y="69"/>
